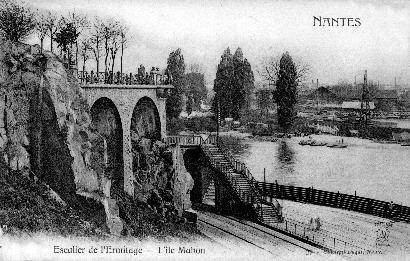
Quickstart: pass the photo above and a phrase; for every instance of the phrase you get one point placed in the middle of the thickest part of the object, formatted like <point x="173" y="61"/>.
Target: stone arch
<point x="145" y="120"/>
<point x="106" y="121"/>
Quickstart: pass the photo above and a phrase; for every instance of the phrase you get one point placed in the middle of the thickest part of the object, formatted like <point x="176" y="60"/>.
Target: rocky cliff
<point x="45" y="120"/>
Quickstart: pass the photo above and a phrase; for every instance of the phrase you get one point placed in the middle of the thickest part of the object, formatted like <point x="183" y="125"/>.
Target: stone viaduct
<point x="129" y="103"/>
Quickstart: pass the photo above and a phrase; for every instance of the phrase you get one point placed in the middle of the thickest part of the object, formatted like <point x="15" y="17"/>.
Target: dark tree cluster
<point x="65" y="38"/>
<point x="286" y="75"/>
<point x="233" y="85"/>
<point x="195" y="90"/>
<point x="175" y="70"/>
<point x="286" y="91"/>
<point x="265" y="101"/>
<point x="16" y="21"/>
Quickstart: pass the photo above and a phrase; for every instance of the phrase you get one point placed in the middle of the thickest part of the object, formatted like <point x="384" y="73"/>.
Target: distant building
<point x="349" y="98"/>
<point x="323" y="95"/>
<point x="355" y="105"/>
<point x="386" y="100"/>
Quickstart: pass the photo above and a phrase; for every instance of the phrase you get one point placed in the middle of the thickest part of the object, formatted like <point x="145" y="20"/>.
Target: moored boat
<point x="306" y="142"/>
<point x="318" y="143"/>
<point x="340" y="146"/>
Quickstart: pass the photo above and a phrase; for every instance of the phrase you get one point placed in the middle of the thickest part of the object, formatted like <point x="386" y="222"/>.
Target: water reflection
<point x="235" y="145"/>
<point x="286" y="156"/>
<point x="374" y="170"/>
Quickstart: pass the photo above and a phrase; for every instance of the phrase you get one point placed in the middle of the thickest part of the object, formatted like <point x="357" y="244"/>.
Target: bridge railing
<point x="91" y="77"/>
<point x="337" y="200"/>
<point x="190" y="140"/>
<point x="325" y="238"/>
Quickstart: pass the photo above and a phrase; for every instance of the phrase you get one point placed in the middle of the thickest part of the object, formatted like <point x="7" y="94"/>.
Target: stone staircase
<point x="269" y="214"/>
<point x="209" y="197"/>
<point x="242" y="184"/>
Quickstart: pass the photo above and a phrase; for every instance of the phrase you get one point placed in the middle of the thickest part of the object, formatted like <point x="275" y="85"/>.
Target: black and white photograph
<point x="204" y="130"/>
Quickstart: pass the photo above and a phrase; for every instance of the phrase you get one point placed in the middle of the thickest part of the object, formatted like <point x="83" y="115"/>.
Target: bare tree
<point x="85" y="50"/>
<point x="96" y="36"/>
<point x="111" y="38"/>
<point x="51" y="21"/>
<point x="16" y="21"/>
<point x="107" y="33"/>
<point x="195" y="68"/>
<point x="124" y="41"/>
<point x="115" y="44"/>
<point x="42" y="29"/>
<point x="270" y="70"/>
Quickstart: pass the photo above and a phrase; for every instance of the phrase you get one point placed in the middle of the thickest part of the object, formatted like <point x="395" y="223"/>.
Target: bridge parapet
<point x="155" y="77"/>
<point x="127" y="86"/>
<point x="193" y="140"/>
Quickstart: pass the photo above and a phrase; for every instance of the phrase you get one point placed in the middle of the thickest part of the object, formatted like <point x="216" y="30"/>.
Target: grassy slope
<point x="27" y="208"/>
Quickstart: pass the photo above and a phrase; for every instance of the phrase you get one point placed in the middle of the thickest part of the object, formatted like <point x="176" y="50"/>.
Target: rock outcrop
<point x="161" y="178"/>
<point x="183" y="182"/>
<point x="44" y="125"/>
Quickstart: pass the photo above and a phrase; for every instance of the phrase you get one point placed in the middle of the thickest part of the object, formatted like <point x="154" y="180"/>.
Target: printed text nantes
<point x="332" y="21"/>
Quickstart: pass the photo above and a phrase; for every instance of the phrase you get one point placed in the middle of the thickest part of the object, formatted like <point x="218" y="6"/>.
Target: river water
<point x="374" y="170"/>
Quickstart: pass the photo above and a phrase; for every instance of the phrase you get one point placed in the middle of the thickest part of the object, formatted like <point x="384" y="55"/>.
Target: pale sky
<point x="203" y="29"/>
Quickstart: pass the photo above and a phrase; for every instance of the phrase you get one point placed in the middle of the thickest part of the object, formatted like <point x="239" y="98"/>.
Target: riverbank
<point x="362" y="230"/>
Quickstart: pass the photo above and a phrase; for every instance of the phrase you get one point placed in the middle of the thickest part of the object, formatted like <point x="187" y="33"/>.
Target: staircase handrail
<point x="250" y="179"/>
<point x="231" y="180"/>
<point x="247" y="174"/>
<point x="243" y="169"/>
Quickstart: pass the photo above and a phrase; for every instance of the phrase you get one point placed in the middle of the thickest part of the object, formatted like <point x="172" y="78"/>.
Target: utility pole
<point x="365" y="105"/>
<point x="317" y="94"/>
<point x="218" y="116"/>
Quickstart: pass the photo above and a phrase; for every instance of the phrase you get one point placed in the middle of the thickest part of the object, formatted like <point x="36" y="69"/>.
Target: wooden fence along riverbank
<point x="337" y="200"/>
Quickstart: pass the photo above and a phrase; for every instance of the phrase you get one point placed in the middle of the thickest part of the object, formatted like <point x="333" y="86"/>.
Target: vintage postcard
<point x="204" y="130"/>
